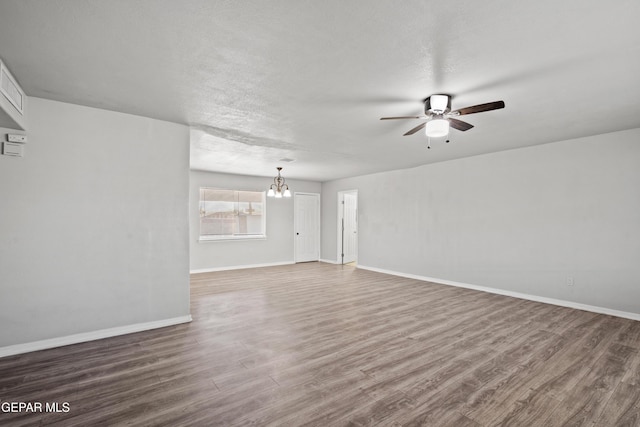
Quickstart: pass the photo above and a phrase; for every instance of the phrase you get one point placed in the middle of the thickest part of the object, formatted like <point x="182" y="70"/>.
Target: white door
<point x="350" y="216"/>
<point x="307" y="227"/>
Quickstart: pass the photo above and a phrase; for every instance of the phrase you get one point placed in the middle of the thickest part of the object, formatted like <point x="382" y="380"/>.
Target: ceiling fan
<point x="437" y="112"/>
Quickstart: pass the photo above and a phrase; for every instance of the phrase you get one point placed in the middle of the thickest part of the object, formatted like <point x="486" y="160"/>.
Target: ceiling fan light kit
<point x="279" y="188"/>
<point x="436" y="128"/>
<point x="437" y="112"/>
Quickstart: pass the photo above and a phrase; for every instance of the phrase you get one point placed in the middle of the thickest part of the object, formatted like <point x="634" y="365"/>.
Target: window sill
<point x="230" y="239"/>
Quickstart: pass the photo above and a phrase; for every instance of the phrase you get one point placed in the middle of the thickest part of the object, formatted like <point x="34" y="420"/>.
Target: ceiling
<point x="308" y="80"/>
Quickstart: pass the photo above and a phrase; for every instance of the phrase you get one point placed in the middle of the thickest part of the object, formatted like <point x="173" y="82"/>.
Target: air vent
<point x="286" y="160"/>
<point x="12" y="101"/>
<point x="10" y="89"/>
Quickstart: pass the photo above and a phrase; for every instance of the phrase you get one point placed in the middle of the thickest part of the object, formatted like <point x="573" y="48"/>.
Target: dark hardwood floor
<point x="324" y="345"/>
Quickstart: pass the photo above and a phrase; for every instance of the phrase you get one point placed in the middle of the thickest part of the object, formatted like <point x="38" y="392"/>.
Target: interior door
<point x="307" y="227"/>
<point x="350" y="218"/>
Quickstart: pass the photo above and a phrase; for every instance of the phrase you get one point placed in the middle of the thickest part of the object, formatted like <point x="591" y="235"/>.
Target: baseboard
<point x="90" y="336"/>
<point x="328" y="261"/>
<point x="536" y="298"/>
<point x="239" y="267"/>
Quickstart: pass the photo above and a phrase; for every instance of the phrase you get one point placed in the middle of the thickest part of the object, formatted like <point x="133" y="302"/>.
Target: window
<point x="230" y="214"/>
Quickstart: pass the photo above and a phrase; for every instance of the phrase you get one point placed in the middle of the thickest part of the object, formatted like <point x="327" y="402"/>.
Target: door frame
<point x="295" y="223"/>
<point x="339" y="252"/>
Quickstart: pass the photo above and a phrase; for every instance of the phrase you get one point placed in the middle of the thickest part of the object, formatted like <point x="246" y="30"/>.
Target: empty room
<point x="299" y="213"/>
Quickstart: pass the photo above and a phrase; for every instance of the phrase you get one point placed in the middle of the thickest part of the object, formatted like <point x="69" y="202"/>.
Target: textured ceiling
<point x="260" y="81"/>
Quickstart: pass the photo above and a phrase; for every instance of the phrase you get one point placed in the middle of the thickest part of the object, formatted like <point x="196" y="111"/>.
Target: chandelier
<point x="279" y="189"/>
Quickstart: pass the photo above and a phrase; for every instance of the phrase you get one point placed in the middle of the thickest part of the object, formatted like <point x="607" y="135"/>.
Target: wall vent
<point x="13" y="101"/>
<point x="10" y="89"/>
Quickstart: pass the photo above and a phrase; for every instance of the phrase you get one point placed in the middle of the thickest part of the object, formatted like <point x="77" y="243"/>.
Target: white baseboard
<point x="90" y="336"/>
<point x="329" y="261"/>
<point x="554" y="301"/>
<point x="239" y="267"/>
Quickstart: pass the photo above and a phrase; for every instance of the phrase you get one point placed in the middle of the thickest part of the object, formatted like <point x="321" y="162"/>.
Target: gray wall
<point x="278" y="247"/>
<point x="520" y="220"/>
<point x="93" y="223"/>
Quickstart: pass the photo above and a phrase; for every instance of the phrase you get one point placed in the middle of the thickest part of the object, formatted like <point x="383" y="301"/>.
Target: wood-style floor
<point x="325" y="345"/>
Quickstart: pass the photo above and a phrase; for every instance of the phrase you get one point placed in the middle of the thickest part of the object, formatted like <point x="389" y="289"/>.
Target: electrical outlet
<point x="570" y="281"/>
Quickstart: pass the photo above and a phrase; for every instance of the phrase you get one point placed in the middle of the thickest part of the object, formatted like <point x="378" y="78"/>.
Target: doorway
<point x="307" y="227"/>
<point x="348" y="227"/>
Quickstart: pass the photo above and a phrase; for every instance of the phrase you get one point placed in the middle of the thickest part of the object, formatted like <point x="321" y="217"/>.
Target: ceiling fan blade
<point x="459" y="124"/>
<point x="415" y="129"/>
<point x="403" y="117"/>
<point x="496" y="105"/>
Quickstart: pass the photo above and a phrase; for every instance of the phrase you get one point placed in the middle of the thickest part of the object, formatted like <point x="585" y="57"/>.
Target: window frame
<point x="232" y="237"/>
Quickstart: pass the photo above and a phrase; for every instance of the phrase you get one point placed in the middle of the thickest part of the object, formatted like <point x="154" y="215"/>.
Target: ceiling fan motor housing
<point x="437" y="104"/>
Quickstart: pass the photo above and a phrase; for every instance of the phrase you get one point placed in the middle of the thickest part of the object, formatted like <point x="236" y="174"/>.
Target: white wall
<point x="93" y="224"/>
<point x="520" y="220"/>
<point x="276" y="248"/>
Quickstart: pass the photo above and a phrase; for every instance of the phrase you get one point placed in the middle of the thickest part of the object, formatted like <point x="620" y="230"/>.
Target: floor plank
<point x="623" y="408"/>
<point x="324" y="345"/>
